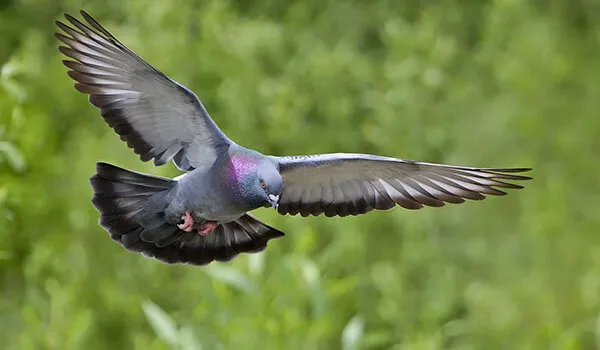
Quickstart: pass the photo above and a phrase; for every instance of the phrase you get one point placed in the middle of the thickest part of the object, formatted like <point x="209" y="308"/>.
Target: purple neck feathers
<point x="237" y="174"/>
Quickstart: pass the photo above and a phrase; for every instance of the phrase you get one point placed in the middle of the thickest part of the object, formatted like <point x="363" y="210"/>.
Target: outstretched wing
<point x="352" y="184"/>
<point x="157" y="117"/>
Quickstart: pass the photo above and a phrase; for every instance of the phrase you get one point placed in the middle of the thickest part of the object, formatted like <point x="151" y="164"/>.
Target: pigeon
<point x="204" y="215"/>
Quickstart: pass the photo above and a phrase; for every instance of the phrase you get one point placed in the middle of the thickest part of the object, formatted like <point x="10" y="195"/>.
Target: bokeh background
<point x="482" y="83"/>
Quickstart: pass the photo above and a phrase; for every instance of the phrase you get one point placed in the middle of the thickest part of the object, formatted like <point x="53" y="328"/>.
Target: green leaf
<point x="352" y="333"/>
<point x="231" y="277"/>
<point x="13" y="156"/>
<point x="187" y="340"/>
<point x="163" y="325"/>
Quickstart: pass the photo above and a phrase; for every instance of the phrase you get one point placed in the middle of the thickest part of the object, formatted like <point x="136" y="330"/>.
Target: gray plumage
<point x="202" y="215"/>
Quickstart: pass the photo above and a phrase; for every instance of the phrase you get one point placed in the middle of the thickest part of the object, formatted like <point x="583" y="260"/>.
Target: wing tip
<point x="74" y="21"/>
<point x="82" y="88"/>
<point x="59" y="36"/>
<point x="59" y="24"/>
<point x="72" y="75"/>
<point x="65" y="51"/>
<point x="87" y="16"/>
<point x="514" y="170"/>
<point x="507" y="170"/>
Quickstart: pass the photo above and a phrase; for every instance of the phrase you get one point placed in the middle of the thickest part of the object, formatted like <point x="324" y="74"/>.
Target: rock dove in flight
<point x="203" y="215"/>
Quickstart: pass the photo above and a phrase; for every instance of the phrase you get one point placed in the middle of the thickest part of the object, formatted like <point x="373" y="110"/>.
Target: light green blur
<point x="505" y="83"/>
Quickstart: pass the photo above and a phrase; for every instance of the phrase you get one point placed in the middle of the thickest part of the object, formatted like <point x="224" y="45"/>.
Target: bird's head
<point x="252" y="180"/>
<point x="268" y="181"/>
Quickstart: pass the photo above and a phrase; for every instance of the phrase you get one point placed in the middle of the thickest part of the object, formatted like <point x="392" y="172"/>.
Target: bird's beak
<point x="274" y="200"/>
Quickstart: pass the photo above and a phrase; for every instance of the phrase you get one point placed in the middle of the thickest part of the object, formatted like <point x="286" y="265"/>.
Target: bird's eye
<point x="263" y="185"/>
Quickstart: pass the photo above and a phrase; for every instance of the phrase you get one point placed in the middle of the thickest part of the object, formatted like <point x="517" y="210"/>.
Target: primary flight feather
<point x="203" y="215"/>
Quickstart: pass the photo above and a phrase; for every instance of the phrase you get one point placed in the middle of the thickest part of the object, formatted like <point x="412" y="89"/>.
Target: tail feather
<point x="121" y="197"/>
<point x="132" y="205"/>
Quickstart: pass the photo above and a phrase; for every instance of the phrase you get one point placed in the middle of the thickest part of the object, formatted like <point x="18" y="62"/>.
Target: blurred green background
<point x="482" y="83"/>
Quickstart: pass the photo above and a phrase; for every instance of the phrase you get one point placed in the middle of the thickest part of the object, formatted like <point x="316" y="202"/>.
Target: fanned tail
<point x="247" y="234"/>
<point x="132" y="209"/>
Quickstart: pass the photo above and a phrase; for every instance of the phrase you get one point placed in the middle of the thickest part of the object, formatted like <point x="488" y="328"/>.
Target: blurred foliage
<point x="483" y="83"/>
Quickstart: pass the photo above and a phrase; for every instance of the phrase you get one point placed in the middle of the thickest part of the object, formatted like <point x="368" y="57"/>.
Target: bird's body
<point x="203" y="215"/>
<point x="197" y="193"/>
<point x="201" y="190"/>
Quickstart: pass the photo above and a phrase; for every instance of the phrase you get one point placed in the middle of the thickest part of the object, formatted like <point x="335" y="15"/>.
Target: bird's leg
<point x="188" y="222"/>
<point x="207" y="227"/>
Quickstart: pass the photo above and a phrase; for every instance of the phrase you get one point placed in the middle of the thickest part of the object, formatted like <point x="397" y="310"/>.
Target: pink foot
<point x="188" y="222"/>
<point x="207" y="227"/>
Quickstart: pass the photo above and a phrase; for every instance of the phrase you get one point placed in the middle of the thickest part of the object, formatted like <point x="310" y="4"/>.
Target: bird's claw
<point x="207" y="227"/>
<point x="204" y="228"/>
<point x="188" y="222"/>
